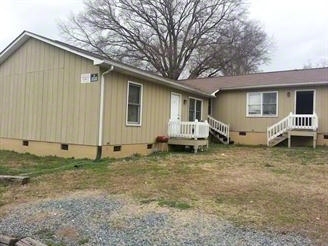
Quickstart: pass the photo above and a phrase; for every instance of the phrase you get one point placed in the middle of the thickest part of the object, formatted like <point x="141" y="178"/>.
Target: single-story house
<point x="267" y="108"/>
<point x="56" y="99"/>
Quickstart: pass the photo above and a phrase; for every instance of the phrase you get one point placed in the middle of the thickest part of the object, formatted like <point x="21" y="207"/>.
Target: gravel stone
<point x="111" y="220"/>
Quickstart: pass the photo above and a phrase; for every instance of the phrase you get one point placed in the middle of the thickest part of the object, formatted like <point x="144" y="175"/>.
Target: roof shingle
<point x="260" y="80"/>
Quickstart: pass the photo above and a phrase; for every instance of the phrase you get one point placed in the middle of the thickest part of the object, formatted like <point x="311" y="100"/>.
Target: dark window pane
<point x="198" y="115"/>
<point x="133" y="114"/>
<point x="191" y="115"/>
<point x="198" y="110"/>
<point x="192" y="109"/>
<point x="134" y="94"/>
<point x="269" y="109"/>
<point x="191" y="104"/>
<point x="270" y="103"/>
<point x="269" y="98"/>
<point x="198" y="105"/>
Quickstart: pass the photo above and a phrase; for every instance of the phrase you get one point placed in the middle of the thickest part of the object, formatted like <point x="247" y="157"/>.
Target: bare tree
<point x="323" y="62"/>
<point x="239" y="49"/>
<point x="175" y="38"/>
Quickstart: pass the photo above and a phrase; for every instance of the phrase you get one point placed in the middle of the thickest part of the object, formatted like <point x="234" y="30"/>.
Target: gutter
<point x="275" y="85"/>
<point x="101" y="112"/>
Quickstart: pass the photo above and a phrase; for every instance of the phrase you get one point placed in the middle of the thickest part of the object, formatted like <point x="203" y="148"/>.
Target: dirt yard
<point x="277" y="189"/>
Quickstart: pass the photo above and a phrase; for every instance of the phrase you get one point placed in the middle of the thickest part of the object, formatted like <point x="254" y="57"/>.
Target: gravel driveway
<point x="98" y="219"/>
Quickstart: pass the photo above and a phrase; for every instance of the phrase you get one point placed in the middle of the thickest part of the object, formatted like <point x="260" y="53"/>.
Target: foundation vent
<point x="117" y="148"/>
<point x="64" y="146"/>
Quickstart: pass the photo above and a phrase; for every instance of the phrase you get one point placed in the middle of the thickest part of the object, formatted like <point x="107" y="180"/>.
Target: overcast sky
<point x="298" y="28"/>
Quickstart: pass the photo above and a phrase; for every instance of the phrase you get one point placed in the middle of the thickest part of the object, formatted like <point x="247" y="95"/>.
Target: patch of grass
<point x="49" y="243"/>
<point x="279" y="171"/>
<point x="277" y="188"/>
<point x="83" y="241"/>
<point x="174" y="204"/>
<point x="147" y="201"/>
<point x="2" y="191"/>
<point x="45" y="233"/>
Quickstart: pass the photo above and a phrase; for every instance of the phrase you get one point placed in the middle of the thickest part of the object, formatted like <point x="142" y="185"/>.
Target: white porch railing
<point x="219" y="127"/>
<point x="304" y="121"/>
<point x="292" y="121"/>
<point x="188" y="129"/>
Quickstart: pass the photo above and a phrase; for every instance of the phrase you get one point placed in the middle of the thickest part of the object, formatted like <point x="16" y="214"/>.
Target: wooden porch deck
<point x="197" y="144"/>
<point x="188" y="133"/>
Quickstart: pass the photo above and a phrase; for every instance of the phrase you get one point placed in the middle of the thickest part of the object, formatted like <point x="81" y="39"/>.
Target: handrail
<point x="220" y="127"/>
<point x="292" y="121"/>
<point x="188" y="129"/>
<point x="278" y="129"/>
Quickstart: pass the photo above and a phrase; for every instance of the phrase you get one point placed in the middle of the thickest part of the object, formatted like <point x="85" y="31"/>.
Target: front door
<point x="304" y="102"/>
<point x="175" y="106"/>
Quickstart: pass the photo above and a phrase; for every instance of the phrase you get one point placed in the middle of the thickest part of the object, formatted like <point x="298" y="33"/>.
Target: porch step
<point x="278" y="140"/>
<point x="222" y="139"/>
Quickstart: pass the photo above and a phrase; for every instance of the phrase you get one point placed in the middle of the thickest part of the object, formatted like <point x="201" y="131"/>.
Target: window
<point x="262" y="103"/>
<point x="195" y="109"/>
<point x="134" y="101"/>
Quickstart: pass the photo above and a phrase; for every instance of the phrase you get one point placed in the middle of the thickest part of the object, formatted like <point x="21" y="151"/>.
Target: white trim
<point x="275" y="85"/>
<point x="180" y="106"/>
<point x="214" y="92"/>
<point x="261" y="104"/>
<point x="202" y="110"/>
<point x="127" y="104"/>
<point x="314" y="98"/>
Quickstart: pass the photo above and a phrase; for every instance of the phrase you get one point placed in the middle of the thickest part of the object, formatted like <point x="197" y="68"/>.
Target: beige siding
<point x="230" y="107"/>
<point x="49" y="149"/>
<point x="42" y="99"/>
<point x="321" y="108"/>
<point x="155" y="111"/>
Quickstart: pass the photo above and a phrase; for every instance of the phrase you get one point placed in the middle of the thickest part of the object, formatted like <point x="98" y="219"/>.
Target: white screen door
<point x="175" y="106"/>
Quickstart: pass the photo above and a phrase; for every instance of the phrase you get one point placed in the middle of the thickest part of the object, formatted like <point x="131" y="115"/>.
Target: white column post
<point x="196" y="130"/>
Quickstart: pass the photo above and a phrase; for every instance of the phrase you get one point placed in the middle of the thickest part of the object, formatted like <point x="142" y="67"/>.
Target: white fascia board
<point x="275" y="85"/>
<point x="214" y="92"/>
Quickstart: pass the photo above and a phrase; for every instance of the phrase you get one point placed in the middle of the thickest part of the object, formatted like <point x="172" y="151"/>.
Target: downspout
<point x="101" y="112"/>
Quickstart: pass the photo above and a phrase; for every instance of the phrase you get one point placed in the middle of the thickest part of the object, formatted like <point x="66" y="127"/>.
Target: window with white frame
<point x="134" y="104"/>
<point x="195" y="109"/>
<point x="262" y="103"/>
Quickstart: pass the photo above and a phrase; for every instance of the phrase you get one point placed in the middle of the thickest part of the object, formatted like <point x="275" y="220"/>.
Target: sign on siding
<point x="89" y="77"/>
